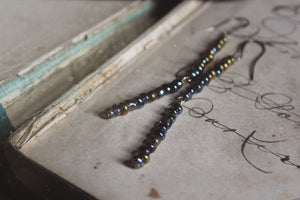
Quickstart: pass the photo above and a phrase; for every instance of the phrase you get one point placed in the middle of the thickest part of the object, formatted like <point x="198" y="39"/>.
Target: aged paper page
<point x="240" y="141"/>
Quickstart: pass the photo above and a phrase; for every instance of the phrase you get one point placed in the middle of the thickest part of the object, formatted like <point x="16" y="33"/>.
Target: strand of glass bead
<point x="141" y="156"/>
<point x="193" y="73"/>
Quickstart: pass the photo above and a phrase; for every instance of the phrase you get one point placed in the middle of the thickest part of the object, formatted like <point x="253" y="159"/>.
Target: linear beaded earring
<point x="193" y="73"/>
<point x="141" y="155"/>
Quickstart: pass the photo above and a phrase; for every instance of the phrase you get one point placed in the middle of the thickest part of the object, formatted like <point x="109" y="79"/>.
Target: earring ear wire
<point x="241" y="48"/>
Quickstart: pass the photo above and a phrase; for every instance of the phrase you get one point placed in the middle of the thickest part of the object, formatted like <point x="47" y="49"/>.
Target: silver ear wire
<point x="239" y="54"/>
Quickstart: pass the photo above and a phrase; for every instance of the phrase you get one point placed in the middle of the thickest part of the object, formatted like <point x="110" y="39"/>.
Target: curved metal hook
<point x="244" y="22"/>
<point x="239" y="54"/>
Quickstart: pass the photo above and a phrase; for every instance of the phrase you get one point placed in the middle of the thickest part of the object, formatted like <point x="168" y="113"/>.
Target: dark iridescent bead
<point x="197" y="87"/>
<point x="176" y="85"/>
<point x="162" y="127"/>
<point x="167" y="88"/>
<point x="145" y="98"/>
<point x="179" y="83"/>
<point x="173" y="108"/>
<point x="199" y="68"/>
<point x="150" y="144"/>
<point x="173" y="87"/>
<point x="215" y="49"/>
<point x="163" y="124"/>
<point x="158" y="133"/>
<point x="159" y="128"/>
<point x="131" y="104"/>
<point x="191" y="90"/>
<point x="135" y="162"/>
<point x="136" y="152"/>
<point x="202" y="82"/>
<point x="156" y="137"/>
<point x="185" y="96"/>
<point x="142" y="150"/>
<point x="145" y="150"/>
<point x="191" y="74"/>
<point x="176" y="107"/>
<point x="139" y="102"/>
<point x="188" y="96"/>
<point x="168" y="116"/>
<point x="169" y="120"/>
<point x="172" y="113"/>
<point x="107" y="114"/>
<point x="154" y="140"/>
<point x="197" y="72"/>
<point x="160" y="92"/>
<point x="207" y="80"/>
<point x="116" y="110"/>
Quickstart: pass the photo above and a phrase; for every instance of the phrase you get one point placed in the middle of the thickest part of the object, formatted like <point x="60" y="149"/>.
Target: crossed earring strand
<point x="192" y="74"/>
<point x="196" y="77"/>
<point x="141" y="155"/>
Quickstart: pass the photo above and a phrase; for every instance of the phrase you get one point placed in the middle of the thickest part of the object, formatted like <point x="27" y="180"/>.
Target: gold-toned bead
<point x="213" y="73"/>
<point x="226" y="65"/>
<point x="153" y="96"/>
<point x="157" y="141"/>
<point x="202" y="65"/>
<point x="210" y="76"/>
<point x="207" y="59"/>
<point x="222" y="67"/>
<point x="146" y="159"/>
<point x="124" y="108"/>
<point x="232" y="60"/>
<point x="180" y="100"/>
<point x="222" y="42"/>
<point x="211" y="56"/>
<point x="229" y="61"/>
<point x="212" y="52"/>
<point x="137" y="165"/>
<point x="185" y="79"/>
<point x="225" y="39"/>
<point x="219" y="46"/>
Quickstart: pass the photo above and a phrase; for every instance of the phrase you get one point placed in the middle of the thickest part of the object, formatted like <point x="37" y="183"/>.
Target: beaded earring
<point x="192" y="73"/>
<point x="196" y="77"/>
<point x="141" y="155"/>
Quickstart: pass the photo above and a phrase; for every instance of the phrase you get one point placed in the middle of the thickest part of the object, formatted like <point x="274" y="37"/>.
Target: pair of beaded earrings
<point x="196" y="77"/>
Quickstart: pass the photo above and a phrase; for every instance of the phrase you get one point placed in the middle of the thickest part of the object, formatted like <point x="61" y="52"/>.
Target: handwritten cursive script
<point x="262" y="145"/>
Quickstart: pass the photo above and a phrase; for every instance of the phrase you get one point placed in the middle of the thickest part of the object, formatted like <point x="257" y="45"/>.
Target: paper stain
<point x="124" y="136"/>
<point x="40" y="48"/>
<point x="142" y="176"/>
<point x="97" y="165"/>
<point x="154" y="194"/>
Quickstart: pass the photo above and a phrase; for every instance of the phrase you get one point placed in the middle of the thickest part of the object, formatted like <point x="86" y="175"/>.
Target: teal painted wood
<point x="5" y="126"/>
<point x="11" y="90"/>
